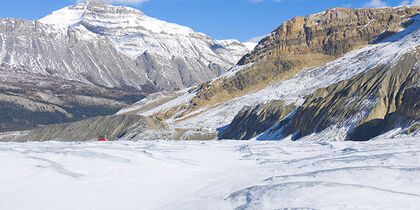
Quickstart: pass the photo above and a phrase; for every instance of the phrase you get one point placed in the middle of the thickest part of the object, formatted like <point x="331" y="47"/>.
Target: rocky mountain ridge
<point x="363" y="107"/>
<point x="214" y="104"/>
<point x="171" y="56"/>
<point x="367" y="85"/>
<point x="302" y="43"/>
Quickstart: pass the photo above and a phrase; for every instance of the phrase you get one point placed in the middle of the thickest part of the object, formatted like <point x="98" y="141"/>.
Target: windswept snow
<point x="380" y="174"/>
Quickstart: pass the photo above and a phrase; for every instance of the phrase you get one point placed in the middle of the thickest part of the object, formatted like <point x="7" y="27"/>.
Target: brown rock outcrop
<point x="304" y="42"/>
<point x="331" y="33"/>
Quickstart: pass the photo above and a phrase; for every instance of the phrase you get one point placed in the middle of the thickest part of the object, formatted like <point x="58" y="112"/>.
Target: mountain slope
<point x="368" y="104"/>
<point x="362" y="107"/>
<point x="171" y="55"/>
<point x="67" y="54"/>
<point x="378" y="82"/>
<point x="112" y="127"/>
<point x="302" y="43"/>
<point x="93" y="59"/>
<point x="29" y="99"/>
<point x="209" y="106"/>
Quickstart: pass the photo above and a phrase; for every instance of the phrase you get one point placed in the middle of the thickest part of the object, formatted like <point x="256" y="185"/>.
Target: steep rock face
<point x="53" y="76"/>
<point x="170" y="55"/>
<point x="407" y="114"/>
<point x="301" y="43"/>
<point x="252" y="121"/>
<point x="330" y="33"/>
<point x="410" y="104"/>
<point x="364" y="104"/>
<point x="67" y="55"/>
<point x="113" y="127"/>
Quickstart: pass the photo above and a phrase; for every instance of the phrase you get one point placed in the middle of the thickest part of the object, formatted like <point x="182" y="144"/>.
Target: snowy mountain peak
<point x="104" y="15"/>
<point x="134" y="33"/>
<point x="160" y="48"/>
<point x="66" y="17"/>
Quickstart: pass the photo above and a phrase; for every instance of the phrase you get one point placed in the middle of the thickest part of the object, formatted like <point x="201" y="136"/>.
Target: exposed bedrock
<point x="303" y="42"/>
<point x="368" y="104"/>
<point x="252" y="121"/>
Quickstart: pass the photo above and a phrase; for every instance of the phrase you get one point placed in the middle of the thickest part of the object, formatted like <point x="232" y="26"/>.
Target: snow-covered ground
<point x="380" y="174"/>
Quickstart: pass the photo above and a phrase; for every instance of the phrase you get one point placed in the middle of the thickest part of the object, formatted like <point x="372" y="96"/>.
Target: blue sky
<point x="221" y="19"/>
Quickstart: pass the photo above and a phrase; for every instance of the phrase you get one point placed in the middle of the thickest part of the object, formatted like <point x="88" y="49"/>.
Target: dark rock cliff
<point x="252" y="121"/>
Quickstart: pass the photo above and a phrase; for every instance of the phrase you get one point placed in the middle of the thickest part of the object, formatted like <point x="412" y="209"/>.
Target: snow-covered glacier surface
<point x="380" y="174"/>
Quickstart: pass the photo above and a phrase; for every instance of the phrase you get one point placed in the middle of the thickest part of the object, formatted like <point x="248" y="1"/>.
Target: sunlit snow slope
<point x="380" y="174"/>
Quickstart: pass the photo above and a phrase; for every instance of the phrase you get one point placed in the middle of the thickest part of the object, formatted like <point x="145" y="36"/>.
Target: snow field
<point x="380" y="174"/>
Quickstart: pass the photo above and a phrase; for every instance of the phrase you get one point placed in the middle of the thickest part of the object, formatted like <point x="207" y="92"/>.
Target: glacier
<point x="379" y="174"/>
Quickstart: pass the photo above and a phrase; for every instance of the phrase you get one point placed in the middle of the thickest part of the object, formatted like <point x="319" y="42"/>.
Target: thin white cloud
<point x="375" y="4"/>
<point x="415" y="2"/>
<point x="256" y="39"/>
<point x="127" y="1"/>
<point x="116" y="1"/>
<point x="407" y="2"/>
<point x="404" y="3"/>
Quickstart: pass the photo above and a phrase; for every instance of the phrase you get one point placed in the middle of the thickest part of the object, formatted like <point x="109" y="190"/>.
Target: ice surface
<point x="380" y="174"/>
